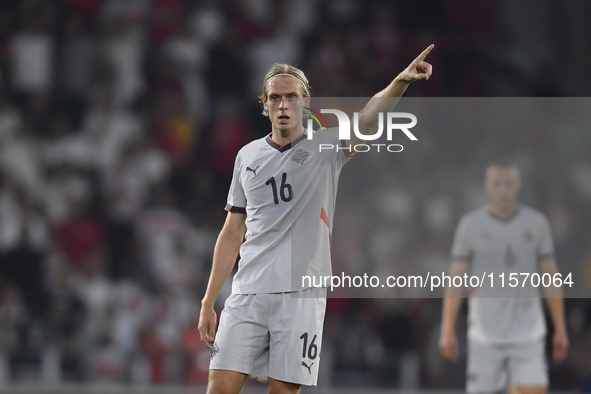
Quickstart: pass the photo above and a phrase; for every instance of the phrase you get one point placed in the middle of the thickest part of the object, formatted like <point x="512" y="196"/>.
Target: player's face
<point x="284" y="103"/>
<point x="502" y="185"/>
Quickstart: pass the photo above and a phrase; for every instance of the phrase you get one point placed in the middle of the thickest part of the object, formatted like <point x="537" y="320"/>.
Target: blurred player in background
<point x="505" y="335"/>
<point x="267" y="332"/>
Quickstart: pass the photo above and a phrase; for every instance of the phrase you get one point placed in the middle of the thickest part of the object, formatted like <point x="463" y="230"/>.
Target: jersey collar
<point x="283" y="148"/>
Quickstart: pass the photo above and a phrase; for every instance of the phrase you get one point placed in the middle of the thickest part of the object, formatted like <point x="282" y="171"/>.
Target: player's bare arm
<point x="386" y="99"/>
<point x="554" y="300"/>
<point x="448" y="343"/>
<point x="224" y="257"/>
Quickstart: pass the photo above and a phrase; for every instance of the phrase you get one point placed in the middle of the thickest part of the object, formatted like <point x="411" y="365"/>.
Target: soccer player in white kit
<point x="505" y="335"/>
<point x="281" y="200"/>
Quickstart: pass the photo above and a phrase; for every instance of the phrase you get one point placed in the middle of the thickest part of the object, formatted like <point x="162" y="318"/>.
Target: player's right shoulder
<point x="253" y="148"/>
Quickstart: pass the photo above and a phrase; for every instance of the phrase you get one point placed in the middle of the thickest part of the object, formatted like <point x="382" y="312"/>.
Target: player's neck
<point x="284" y="138"/>
<point x="503" y="212"/>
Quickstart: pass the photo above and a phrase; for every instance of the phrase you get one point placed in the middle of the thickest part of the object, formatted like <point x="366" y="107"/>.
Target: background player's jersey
<point x="288" y="194"/>
<point x="495" y="245"/>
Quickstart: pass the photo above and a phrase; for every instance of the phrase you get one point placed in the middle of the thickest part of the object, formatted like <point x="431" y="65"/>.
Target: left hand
<point x="418" y="69"/>
<point x="560" y="346"/>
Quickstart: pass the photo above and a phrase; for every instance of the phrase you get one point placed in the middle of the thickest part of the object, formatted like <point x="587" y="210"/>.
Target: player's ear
<point x="307" y="100"/>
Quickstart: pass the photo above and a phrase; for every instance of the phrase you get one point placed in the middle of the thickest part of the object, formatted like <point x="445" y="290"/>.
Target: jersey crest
<point x="300" y="156"/>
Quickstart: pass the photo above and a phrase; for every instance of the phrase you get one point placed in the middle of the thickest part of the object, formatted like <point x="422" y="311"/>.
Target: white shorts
<point x="277" y="335"/>
<point x="489" y="365"/>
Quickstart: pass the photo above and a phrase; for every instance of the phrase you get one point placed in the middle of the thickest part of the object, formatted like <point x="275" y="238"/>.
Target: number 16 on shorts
<point x="309" y="351"/>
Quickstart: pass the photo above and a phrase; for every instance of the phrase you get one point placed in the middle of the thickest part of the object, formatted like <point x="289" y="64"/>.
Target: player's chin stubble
<point x="284" y="130"/>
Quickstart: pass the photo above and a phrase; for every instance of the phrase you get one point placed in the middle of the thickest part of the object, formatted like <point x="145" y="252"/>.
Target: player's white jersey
<point x="288" y="194"/>
<point x="495" y="245"/>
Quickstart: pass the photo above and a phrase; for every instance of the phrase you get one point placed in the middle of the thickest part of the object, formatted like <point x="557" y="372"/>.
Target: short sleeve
<point x="462" y="248"/>
<point x="347" y="152"/>
<point x="339" y="150"/>
<point x="545" y="244"/>
<point x="236" y="202"/>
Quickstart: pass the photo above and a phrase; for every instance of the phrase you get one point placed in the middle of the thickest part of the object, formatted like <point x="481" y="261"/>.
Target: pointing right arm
<point x="225" y="253"/>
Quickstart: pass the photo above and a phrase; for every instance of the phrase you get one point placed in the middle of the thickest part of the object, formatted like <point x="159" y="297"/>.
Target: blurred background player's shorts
<point x="492" y="366"/>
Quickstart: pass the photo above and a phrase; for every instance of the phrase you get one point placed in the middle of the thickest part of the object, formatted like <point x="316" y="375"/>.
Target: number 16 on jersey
<point x="285" y="189"/>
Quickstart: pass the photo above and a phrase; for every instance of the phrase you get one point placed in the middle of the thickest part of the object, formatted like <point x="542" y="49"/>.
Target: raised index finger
<point x="424" y="54"/>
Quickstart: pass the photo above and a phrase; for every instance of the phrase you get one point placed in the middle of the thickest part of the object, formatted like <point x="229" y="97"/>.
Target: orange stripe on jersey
<point x="324" y="217"/>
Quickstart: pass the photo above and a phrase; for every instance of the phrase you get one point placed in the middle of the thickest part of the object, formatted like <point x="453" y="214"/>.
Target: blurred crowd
<point x="119" y="124"/>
